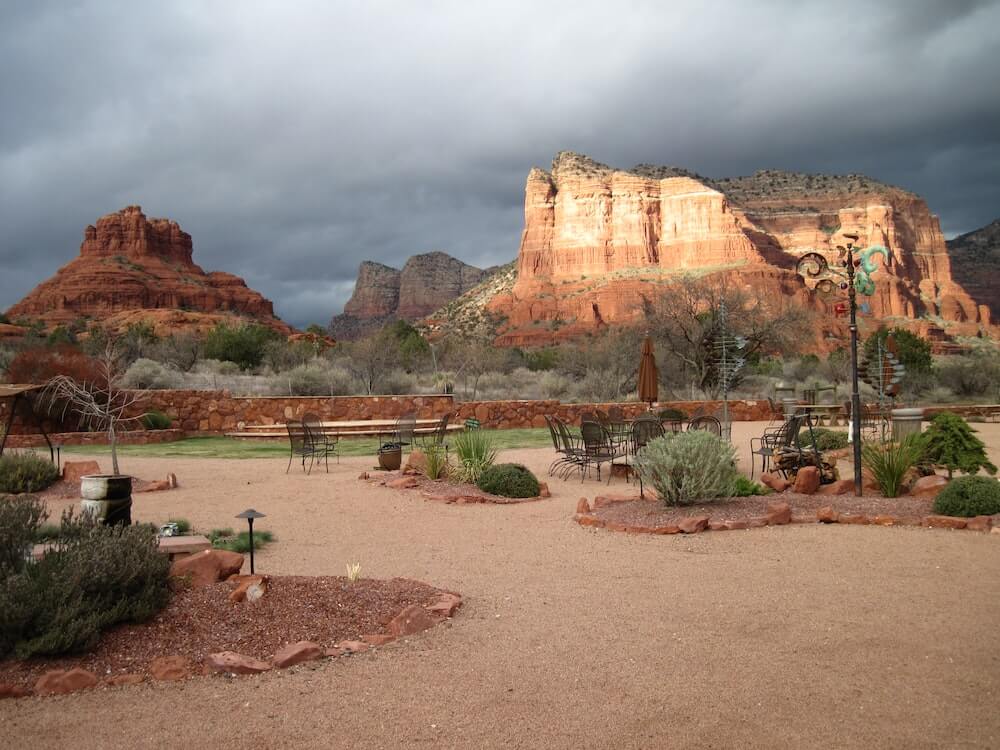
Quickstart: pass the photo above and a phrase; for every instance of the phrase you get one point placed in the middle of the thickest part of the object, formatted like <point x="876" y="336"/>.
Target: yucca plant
<point x="889" y="462"/>
<point x="436" y="465"/>
<point x="476" y="453"/>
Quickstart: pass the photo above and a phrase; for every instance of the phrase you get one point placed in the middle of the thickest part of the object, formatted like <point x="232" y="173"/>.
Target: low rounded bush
<point x="968" y="497"/>
<point x="93" y="578"/>
<point x="156" y="420"/>
<point x="744" y="487"/>
<point x="688" y="467"/>
<point x="509" y="480"/>
<point x="826" y="440"/>
<point x="26" y="472"/>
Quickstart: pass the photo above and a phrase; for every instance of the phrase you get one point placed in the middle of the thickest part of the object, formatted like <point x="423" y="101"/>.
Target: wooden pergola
<point x="18" y="394"/>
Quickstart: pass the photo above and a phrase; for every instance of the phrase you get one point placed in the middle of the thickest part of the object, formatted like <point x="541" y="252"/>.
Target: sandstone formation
<point x="133" y="269"/>
<point x="383" y="294"/>
<point x="600" y="245"/>
<point x="975" y="256"/>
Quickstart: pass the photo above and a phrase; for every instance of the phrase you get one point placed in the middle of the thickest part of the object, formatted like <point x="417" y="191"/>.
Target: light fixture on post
<point x="250" y="514"/>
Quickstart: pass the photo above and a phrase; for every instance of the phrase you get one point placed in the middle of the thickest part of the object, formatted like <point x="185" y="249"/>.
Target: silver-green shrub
<point x="147" y="373"/>
<point x="689" y="467"/>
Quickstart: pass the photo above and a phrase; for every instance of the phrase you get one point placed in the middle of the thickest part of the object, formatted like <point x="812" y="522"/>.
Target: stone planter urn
<point x="906" y="422"/>
<point x="390" y="457"/>
<point x="107" y="497"/>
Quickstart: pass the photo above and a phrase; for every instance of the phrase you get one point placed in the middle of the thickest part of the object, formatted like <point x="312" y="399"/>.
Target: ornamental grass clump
<point x="91" y="577"/>
<point x="969" y="497"/>
<point x="476" y="453"/>
<point x="509" y="480"/>
<point x="889" y="462"/>
<point x="689" y="467"/>
<point x="436" y="464"/>
<point x="950" y="442"/>
<point x="26" y="472"/>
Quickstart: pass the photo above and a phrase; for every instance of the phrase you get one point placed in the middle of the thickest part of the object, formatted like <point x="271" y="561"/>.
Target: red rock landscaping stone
<point x="778" y="514"/>
<point x="603" y="500"/>
<point x="718" y="526"/>
<point x="979" y="523"/>
<point x="73" y="470"/>
<point x="582" y="506"/>
<point x="776" y="483"/>
<point x="882" y="520"/>
<point x="543" y="490"/>
<point x="413" y="619"/>
<point x="296" y="653"/>
<point x="668" y="529"/>
<point x="693" y="524"/>
<point x="944" y="522"/>
<point x="170" y="668"/>
<point x="756" y="523"/>
<point x="231" y="662"/>
<point x="250" y="588"/>
<point x="827" y="515"/>
<point x="803" y="518"/>
<point x="840" y="487"/>
<point x="853" y="518"/>
<point x="445" y="605"/>
<point x="737" y="525"/>
<point x="334" y="652"/>
<point x="403" y="483"/>
<point x="807" y="480"/>
<point x="929" y="486"/>
<point x="588" y="520"/>
<point x="13" y="691"/>
<point x="208" y="567"/>
<point x="58" y="682"/>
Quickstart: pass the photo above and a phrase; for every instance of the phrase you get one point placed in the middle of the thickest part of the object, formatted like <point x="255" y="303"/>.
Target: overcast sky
<point x="295" y="139"/>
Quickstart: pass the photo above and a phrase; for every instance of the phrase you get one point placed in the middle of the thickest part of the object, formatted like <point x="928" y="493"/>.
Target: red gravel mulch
<point x="655" y="513"/>
<point x="200" y="621"/>
<point x="446" y="490"/>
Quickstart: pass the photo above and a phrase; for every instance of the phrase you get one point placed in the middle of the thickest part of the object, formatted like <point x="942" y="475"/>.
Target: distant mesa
<point x="600" y="245"/>
<point x="383" y="294"/>
<point x="132" y="269"/>
<point x="975" y="259"/>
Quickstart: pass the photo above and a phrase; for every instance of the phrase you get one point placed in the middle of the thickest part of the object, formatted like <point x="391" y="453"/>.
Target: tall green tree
<point x="950" y="442"/>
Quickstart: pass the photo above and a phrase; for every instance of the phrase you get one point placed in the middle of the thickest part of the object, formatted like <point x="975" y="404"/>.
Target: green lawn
<point x="224" y="447"/>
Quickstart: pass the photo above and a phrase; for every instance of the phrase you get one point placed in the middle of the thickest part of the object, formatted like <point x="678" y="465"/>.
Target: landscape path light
<point x="250" y="514"/>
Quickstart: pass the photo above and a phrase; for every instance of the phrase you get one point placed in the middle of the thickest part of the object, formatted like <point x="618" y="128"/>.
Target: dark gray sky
<point x="294" y="140"/>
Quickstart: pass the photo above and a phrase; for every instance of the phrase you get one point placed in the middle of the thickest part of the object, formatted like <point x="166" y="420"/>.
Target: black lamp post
<point x="852" y="299"/>
<point x="250" y="514"/>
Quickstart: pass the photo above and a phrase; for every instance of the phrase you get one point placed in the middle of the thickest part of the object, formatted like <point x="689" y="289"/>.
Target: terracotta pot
<point x="390" y="459"/>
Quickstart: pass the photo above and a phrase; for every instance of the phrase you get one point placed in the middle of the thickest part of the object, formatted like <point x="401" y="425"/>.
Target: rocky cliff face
<point x="975" y="259"/>
<point x="382" y="294"/>
<point x="130" y="269"/>
<point x="599" y="244"/>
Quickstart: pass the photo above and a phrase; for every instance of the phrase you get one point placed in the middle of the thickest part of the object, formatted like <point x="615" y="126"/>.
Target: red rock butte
<point x="132" y="269"/>
<point x="599" y="244"/>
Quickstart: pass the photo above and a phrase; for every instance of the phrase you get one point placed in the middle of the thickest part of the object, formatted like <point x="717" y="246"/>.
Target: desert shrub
<point x="227" y="540"/>
<point x="26" y="472"/>
<point x="183" y="525"/>
<point x="889" y="462"/>
<point x="476" y="452"/>
<point x="914" y="352"/>
<point x="316" y="378"/>
<point x="553" y="385"/>
<point x="20" y="517"/>
<point x="7" y="355"/>
<point x="826" y="440"/>
<point x="283" y="355"/>
<point x="92" y="578"/>
<point x="541" y="359"/>
<point x="398" y="381"/>
<point x="436" y="465"/>
<point x="688" y="467"/>
<point x="508" y="480"/>
<point x="968" y="497"/>
<point x="244" y="344"/>
<point x="744" y="487"/>
<point x="38" y="365"/>
<point x="147" y="373"/>
<point x="970" y="376"/>
<point x="156" y="420"/>
<point x="951" y="443"/>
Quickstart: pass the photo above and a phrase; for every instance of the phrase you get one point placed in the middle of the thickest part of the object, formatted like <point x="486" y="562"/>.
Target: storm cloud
<point x="294" y="140"/>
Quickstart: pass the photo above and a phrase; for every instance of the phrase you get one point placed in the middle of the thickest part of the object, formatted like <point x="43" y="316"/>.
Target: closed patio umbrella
<point x="648" y="374"/>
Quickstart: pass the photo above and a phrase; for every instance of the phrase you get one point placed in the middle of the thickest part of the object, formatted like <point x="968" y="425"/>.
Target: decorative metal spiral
<point x="830" y="280"/>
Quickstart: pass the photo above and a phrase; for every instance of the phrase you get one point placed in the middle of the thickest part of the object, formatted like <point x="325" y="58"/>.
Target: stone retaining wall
<point x="130" y="437"/>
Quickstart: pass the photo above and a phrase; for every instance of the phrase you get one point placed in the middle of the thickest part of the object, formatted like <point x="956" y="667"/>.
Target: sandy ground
<point x="803" y="636"/>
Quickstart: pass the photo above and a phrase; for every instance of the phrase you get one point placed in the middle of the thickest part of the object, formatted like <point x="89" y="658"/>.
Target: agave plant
<point x="889" y="462"/>
<point x="476" y="453"/>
